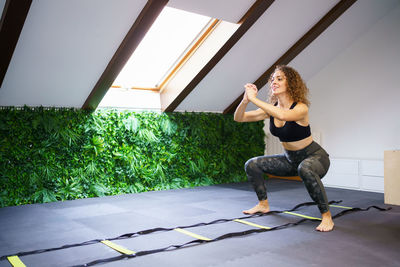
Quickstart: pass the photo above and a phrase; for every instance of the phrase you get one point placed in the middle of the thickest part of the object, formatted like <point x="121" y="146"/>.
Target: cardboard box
<point x="392" y="177"/>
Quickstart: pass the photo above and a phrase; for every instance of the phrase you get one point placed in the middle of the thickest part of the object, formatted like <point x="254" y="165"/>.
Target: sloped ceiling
<point x="348" y="28"/>
<point x="63" y="49"/>
<point x="272" y="35"/>
<point x="65" y="46"/>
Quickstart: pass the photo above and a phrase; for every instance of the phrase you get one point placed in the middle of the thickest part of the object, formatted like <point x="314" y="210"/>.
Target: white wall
<point x="355" y="98"/>
<point x="355" y="105"/>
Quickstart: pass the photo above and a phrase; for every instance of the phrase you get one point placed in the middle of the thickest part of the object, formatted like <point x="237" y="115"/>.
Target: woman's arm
<point x="242" y="116"/>
<point x="298" y="113"/>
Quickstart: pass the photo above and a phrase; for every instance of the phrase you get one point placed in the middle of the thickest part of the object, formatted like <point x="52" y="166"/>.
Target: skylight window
<point x="167" y="41"/>
<point x="174" y="50"/>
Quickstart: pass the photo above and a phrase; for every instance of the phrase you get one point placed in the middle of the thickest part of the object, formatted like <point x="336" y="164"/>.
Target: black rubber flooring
<point x="369" y="238"/>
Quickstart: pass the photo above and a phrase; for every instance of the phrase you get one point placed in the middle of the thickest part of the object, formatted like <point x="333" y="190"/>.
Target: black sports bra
<point x="291" y="131"/>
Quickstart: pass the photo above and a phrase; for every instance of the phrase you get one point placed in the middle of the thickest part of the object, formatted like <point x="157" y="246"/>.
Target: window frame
<point x="185" y="56"/>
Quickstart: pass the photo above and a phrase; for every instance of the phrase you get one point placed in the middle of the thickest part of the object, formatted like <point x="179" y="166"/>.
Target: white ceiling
<point x="63" y="49"/>
<point x="65" y="46"/>
<point x="267" y="40"/>
<point x="215" y="9"/>
<point x="340" y="35"/>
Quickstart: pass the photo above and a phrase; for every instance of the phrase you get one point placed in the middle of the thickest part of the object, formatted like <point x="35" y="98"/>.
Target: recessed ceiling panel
<point x="228" y="10"/>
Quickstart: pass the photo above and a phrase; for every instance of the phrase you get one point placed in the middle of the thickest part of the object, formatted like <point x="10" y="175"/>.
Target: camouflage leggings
<point x="310" y="163"/>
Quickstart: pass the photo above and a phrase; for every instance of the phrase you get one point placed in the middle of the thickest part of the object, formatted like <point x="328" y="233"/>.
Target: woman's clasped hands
<point x="251" y="91"/>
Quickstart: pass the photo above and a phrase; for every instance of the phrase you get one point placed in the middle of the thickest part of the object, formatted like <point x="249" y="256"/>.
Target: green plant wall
<point x="60" y="154"/>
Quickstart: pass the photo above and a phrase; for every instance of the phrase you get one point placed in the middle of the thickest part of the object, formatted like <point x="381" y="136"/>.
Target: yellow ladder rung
<point x="15" y="261"/>
<point x="301" y="215"/>
<point x="342" y="207"/>
<point x="251" y="224"/>
<point x="118" y="248"/>
<point x="192" y="234"/>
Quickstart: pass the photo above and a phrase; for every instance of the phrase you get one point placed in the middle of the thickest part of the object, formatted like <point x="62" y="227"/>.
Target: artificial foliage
<point x="58" y="154"/>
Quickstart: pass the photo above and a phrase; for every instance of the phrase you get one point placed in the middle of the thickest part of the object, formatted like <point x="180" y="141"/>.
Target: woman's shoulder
<point x="301" y="105"/>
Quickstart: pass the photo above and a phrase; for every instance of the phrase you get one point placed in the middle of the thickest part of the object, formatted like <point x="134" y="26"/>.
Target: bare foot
<point x="327" y="223"/>
<point x="262" y="207"/>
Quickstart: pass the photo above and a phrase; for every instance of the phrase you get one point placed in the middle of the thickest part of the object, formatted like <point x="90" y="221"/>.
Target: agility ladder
<point x="15" y="260"/>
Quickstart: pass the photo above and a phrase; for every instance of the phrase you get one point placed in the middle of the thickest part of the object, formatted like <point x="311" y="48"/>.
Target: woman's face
<point x="278" y="83"/>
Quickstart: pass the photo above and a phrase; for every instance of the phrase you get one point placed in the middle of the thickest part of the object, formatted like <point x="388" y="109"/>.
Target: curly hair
<point x="297" y="88"/>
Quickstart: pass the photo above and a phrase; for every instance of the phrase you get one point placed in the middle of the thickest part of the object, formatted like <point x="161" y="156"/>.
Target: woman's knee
<point x="251" y="166"/>
<point x="305" y="170"/>
<point x="315" y="188"/>
<point x="312" y="167"/>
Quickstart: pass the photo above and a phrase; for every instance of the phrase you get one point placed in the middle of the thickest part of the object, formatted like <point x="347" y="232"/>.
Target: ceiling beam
<point x="11" y="24"/>
<point x="298" y="47"/>
<point x="131" y="41"/>
<point x="253" y="14"/>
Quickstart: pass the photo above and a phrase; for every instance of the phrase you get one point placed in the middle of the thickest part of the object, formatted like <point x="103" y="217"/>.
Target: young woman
<point x="288" y="113"/>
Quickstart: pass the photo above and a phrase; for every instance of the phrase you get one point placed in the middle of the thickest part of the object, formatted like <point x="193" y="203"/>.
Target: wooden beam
<point x="11" y="24"/>
<point x="255" y="12"/>
<point x="131" y="41"/>
<point x="298" y="47"/>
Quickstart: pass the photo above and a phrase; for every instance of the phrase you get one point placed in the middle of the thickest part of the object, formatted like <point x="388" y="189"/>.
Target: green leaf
<point x="44" y="196"/>
<point x="99" y="190"/>
<point x="131" y="124"/>
<point x="147" y="136"/>
<point x="168" y="127"/>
